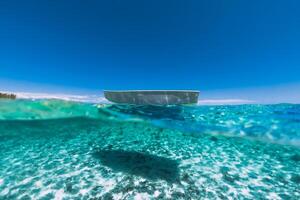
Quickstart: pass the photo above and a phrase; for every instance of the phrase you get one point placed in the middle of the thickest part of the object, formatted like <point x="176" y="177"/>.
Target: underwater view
<point x="55" y="149"/>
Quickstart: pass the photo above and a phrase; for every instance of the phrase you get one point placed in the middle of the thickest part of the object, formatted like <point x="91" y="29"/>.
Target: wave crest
<point x="274" y="123"/>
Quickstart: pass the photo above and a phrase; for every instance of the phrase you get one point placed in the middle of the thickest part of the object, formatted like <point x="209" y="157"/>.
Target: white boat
<point x="152" y="97"/>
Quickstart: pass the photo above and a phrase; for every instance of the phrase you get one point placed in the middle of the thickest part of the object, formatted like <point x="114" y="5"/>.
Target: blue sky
<point x="212" y="45"/>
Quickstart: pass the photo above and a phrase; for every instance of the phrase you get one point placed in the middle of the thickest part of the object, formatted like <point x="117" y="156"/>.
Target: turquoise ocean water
<point x="54" y="149"/>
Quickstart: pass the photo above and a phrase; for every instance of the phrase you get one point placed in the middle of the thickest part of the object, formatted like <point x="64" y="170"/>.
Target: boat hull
<point x="153" y="97"/>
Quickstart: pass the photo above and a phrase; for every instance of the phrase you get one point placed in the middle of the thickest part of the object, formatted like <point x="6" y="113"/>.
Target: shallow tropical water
<point x="53" y="149"/>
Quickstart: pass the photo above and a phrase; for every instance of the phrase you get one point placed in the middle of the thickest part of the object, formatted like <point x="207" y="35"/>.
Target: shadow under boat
<point x="145" y="111"/>
<point x="148" y="166"/>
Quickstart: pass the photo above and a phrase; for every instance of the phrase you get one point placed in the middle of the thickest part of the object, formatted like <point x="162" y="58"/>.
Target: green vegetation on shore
<point x="7" y="96"/>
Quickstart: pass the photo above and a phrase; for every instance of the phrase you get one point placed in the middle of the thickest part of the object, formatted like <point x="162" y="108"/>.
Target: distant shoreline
<point x="7" y="96"/>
